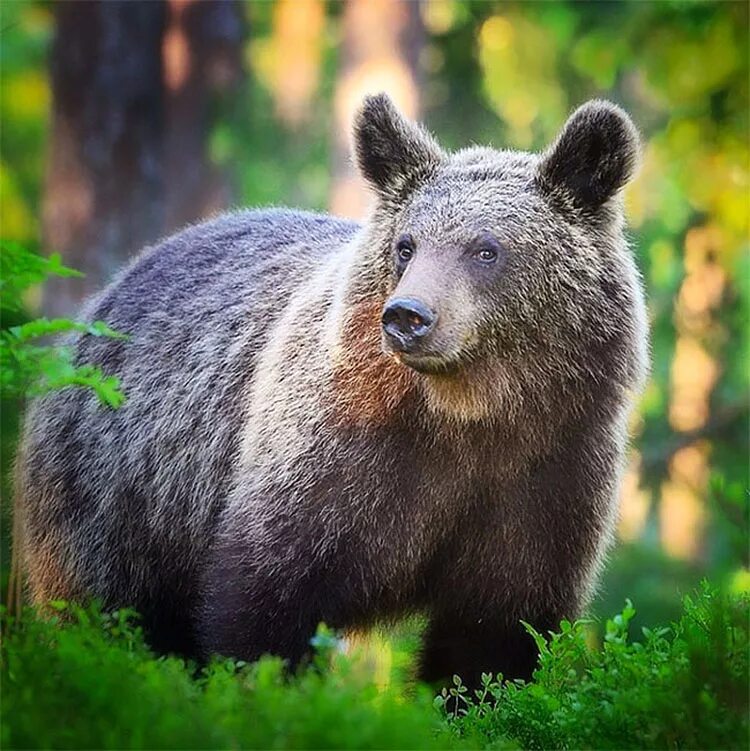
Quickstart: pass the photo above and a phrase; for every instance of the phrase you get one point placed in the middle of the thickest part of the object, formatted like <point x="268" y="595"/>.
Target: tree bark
<point x="104" y="189"/>
<point x="130" y="125"/>
<point x="202" y="58"/>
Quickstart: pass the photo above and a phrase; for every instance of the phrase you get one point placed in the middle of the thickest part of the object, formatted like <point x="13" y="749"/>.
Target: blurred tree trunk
<point x="202" y="57"/>
<point x="382" y="41"/>
<point x="104" y="187"/>
<point x="132" y="86"/>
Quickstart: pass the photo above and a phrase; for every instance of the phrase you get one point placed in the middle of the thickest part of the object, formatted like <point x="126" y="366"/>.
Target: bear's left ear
<point x="394" y="154"/>
<point x="596" y="154"/>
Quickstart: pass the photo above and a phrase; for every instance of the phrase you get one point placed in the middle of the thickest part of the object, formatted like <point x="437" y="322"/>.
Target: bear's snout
<point x="406" y="322"/>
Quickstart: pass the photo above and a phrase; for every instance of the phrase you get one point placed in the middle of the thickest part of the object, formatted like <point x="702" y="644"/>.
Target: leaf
<point x="539" y="640"/>
<point x="21" y="269"/>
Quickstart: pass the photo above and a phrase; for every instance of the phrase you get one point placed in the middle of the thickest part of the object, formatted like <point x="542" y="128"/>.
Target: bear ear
<point x="393" y="154"/>
<point x="596" y="154"/>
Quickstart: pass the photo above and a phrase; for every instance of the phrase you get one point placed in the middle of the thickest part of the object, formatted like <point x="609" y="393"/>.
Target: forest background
<point x="121" y="122"/>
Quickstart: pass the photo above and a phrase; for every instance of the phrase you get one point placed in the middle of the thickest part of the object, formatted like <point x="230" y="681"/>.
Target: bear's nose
<point x="406" y="320"/>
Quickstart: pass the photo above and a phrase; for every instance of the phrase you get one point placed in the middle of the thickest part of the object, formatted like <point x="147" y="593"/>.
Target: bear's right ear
<point x="596" y="154"/>
<point x="393" y="154"/>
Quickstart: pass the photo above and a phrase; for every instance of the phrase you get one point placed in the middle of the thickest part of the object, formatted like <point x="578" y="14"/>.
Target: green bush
<point x="89" y="681"/>
<point x="28" y="367"/>
<point x="684" y="686"/>
<point x="92" y="683"/>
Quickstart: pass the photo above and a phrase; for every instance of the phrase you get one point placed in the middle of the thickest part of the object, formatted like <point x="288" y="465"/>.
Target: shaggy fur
<point x="275" y="466"/>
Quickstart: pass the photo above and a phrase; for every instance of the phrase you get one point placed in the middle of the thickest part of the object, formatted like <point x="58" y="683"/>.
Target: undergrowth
<point x="89" y="681"/>
<point x="678" y="686"/>
<point x="30" y="364"/>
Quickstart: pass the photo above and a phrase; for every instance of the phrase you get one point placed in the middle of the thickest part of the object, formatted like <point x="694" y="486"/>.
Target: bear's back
<point x="211" y="267"/>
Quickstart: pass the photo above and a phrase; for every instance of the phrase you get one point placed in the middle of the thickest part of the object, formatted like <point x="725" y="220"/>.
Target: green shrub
<point x="685" y="686"/>
<point x="89" y="681"/>
<point x="92" y="683"/>
<point x="26" y="366"/>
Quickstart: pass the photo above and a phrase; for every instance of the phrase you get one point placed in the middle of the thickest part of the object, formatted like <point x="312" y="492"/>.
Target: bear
<point x="342" y="422"/>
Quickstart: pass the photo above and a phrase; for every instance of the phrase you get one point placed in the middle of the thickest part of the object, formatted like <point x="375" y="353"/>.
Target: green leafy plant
<point x="28" y="366"/>
<point x="86" y="679"/>
<point x="682" y="686"/>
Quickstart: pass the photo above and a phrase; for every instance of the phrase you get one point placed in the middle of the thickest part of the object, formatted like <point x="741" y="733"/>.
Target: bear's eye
<point x="486" y="249"/>
<point x="487" y="255"/>
<point x="405" y="249"/>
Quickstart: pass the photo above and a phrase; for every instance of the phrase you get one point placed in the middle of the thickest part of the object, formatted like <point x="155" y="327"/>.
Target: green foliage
<point x="28" y="367"/>
<point x="25" y="33"/>
<point x="653" y="579"/>
<point x="683" y="686"/>
<point x="85" y="679"/>
<point x="91" y="683"/>
<point x="20" y="270"/>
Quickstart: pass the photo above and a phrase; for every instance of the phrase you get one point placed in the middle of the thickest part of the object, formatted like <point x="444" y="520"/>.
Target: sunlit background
<point x="122" y="122"/>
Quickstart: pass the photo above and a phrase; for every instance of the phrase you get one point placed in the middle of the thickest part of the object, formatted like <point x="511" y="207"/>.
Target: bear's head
<point x="502" y="271"/>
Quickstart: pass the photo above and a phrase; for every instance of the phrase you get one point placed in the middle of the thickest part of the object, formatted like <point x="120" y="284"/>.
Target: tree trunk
<point x="202" y="57"/>
<point x="131" y="86"/>
<point x="382" y="40"/>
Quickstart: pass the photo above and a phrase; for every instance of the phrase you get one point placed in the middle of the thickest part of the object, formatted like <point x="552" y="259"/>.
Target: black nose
<point x="406" y="320"/>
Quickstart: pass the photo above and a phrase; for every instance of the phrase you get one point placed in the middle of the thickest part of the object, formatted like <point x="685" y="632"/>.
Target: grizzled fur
<point x="276" y="465"/>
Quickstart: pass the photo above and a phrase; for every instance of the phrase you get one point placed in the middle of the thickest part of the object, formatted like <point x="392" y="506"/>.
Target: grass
<point x="88" y="680"/>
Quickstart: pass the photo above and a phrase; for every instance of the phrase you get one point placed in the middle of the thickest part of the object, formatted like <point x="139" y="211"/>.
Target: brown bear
<point x="328" y="421"/>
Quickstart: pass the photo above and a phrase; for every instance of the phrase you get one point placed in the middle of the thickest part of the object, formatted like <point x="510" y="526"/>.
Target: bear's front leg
<point x="455" y="644"/>
<point x="266" y="593"/>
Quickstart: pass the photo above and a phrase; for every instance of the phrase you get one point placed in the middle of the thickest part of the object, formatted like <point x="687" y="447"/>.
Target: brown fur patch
<point x="368" y="384"/>
<point x="463" y="396"/>
<point x="50" y="576"/>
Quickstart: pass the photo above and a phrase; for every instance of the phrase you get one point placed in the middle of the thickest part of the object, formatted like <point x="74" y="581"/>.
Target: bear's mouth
<point x="426" y="364"/>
